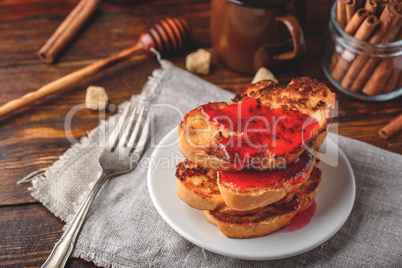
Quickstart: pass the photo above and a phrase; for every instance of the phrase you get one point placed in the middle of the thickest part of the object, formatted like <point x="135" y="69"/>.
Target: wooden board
<point x="35" y="137"/>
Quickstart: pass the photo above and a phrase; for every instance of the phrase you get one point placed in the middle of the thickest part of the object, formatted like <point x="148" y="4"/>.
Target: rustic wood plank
<point x="367" y="130"/>
<point x="25" y="28"/>
<point x="36" y="137"/>
<point x="26" y="238"/>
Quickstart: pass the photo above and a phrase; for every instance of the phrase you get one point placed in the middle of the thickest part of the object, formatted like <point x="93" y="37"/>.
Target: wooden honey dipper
<point x="167" y="36"/>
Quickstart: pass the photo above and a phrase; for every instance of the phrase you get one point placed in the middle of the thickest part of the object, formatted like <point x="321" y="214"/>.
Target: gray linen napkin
<point x="123" y="229"/>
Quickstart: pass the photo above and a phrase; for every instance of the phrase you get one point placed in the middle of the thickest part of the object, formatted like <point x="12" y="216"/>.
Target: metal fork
<point x="121" y="155"/>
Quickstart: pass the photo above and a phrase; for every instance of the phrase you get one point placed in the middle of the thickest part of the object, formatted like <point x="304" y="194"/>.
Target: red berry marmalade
<point x="277" y="130"/>
<point x="249" y="178"/>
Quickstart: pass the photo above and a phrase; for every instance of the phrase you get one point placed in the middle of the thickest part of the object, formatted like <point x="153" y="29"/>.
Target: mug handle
<point x="295" y="30"/>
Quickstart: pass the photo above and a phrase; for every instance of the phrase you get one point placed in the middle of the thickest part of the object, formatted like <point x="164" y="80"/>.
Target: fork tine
<point x="143" y="137"/>
<point x="138" y="124"/>
<point x="117" y="130"/>
<point x="131" y="124"/>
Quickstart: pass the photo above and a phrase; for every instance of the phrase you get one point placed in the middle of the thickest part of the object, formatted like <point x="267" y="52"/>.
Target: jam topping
<point x="258" y="128"/>
<point x="249" y="178"/>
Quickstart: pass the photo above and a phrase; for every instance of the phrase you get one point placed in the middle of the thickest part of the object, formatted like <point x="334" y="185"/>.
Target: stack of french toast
<point x="252" y="164"/>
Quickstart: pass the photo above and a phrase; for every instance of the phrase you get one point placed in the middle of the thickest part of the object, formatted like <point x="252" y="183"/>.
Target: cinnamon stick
<point x="392" y="82"/>
<point x="391" y="128"/>
<point x="399" y="83"/>
<point x="347" y="57"/>
<point x="358" y="67"/>
<point x="395" y="80"/>
<point x="350" y="10"/>
<point x="378" y="78"/>
<point x="398" y="35"/>
<point x="386" y="75"/>
<point x="367" y="28"/>
<point x="350" y="29"/>
<point x="353" y="71"/>
<point x="371" y="6"/>
<point x="381" y="5"/>
<point x="341" y="12"/>
<point x="356" y="21"/>
<point x="390" y="28"/>
<point x="359" y="4"/>
<point x="67" y="30"/>
<point x="387" y="18"/>
<point x="364" y="73"/>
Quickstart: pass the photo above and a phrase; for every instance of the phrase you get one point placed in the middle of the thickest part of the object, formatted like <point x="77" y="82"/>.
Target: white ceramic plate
<point x="334" y="200"/>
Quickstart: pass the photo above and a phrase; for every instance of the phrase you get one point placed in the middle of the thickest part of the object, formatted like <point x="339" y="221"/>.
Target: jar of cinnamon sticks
<point x="362" y="55"/>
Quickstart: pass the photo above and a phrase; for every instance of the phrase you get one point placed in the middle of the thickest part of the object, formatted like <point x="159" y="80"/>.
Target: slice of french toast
<point x="251" y="189"/>
<point x="197" y="186"/>
<point x="202" y="188"/>
<point x="266" y="126"/>
<point x="269" y="219"/>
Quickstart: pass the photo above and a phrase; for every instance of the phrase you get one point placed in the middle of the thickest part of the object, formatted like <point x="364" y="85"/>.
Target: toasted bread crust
<point x="249" y="228"/>
<point x="199" y="138"/>
<point x="269" y="219"/>
<point x="197" y="187"/>
<point x="302" y="93"/>
<point x="309" y="189"/>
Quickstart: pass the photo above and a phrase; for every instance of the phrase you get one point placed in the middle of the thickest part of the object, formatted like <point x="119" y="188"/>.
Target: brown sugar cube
<point x="96" y="98"/>
<point x="264" y="74"/>
<point x="199" y="61"/>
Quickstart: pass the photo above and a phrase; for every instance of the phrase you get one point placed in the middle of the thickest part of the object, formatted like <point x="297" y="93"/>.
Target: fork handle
<point x="63" y="248"/>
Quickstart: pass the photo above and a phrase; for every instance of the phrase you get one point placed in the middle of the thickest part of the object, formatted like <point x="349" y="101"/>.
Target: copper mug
<point x="249" y="34"/>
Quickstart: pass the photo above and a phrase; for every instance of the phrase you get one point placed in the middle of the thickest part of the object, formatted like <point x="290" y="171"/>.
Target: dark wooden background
<point x="35" y="137"/>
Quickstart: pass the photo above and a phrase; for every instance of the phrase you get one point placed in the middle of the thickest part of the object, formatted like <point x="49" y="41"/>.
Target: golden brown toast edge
<point x="197" y="187"/>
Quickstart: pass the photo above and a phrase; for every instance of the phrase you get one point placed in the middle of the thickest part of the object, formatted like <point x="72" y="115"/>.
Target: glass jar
<point x="368" y="72"/>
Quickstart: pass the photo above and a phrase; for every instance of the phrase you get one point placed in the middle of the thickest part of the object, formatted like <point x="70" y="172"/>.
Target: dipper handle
<point x="167" y="36"/>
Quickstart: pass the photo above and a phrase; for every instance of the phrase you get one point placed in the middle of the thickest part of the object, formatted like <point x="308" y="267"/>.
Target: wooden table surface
<point x="35" y="137"/>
